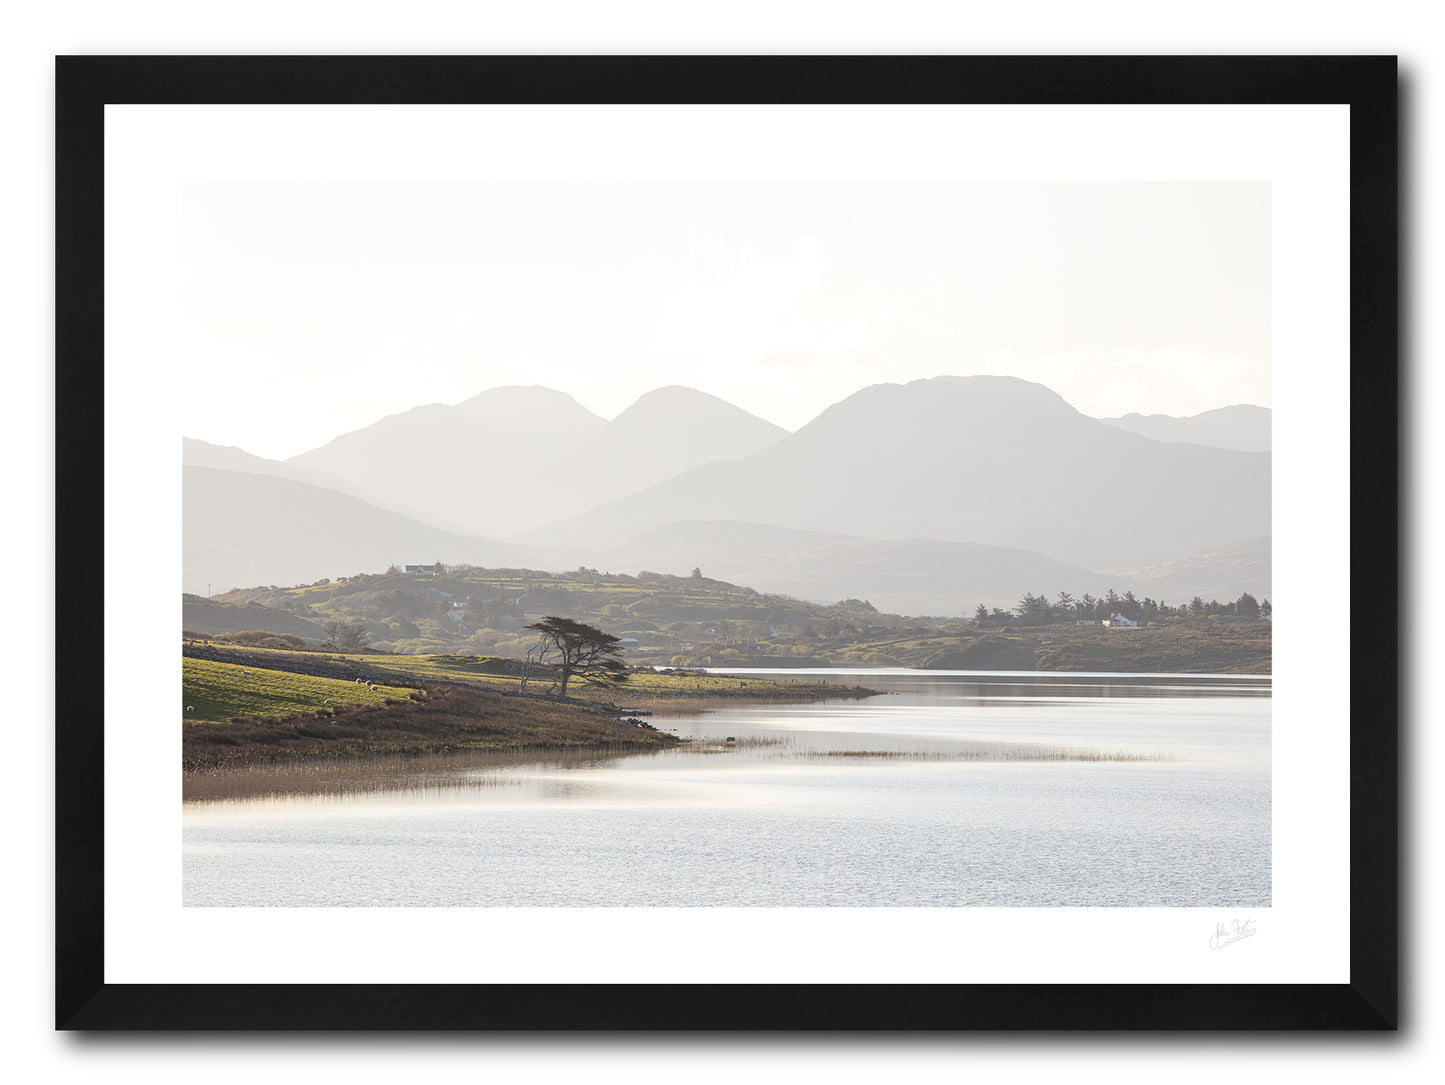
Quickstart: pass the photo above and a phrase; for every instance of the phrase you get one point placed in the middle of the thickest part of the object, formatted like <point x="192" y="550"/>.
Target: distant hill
<point x="666" y="432"/>
<point x="513" y="458"/>
<point x="242" y="530"/>
<point x="202" y="615"/>
<point x="907" y="576"/>
<point x="1223" y="573"/>
<point x="1243" y="427"/>
<point x="987" y="460"/>
<point x="926" y="498"/>
<point x="196" y="453"/>
<point x="460" y="467"/>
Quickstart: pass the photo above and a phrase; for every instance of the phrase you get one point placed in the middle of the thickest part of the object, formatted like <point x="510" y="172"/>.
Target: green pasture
<point x="444" y="666"/>
<point x="497" y="671"/>
<point x="217" y="692"/>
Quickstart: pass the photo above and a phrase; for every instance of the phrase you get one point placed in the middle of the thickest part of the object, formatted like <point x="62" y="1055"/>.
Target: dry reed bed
<point x="434" y="772"/>
<point x="1001" y="753"/>
<point x="792" y="748"/>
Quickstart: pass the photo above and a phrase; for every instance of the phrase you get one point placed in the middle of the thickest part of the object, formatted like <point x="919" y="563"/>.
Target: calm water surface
<point x="953" y="788"/>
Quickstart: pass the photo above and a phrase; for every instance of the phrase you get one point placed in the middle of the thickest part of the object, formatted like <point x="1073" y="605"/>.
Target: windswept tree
<point x="581" y="650"/>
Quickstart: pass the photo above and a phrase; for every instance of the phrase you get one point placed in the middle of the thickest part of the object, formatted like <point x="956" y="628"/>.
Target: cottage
<point x="1119" y="619"/>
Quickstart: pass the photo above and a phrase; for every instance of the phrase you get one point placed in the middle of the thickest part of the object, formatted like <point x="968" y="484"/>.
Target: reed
<point x="997" y="752"/>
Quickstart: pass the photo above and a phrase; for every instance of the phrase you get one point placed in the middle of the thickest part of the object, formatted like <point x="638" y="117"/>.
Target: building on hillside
<point x="421" y="570"/>
<point x="1119" y="619"/>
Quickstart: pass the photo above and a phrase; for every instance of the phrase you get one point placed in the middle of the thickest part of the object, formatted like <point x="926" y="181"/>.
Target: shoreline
<point x="468" y="716"/>
<point x="440" y="718"/>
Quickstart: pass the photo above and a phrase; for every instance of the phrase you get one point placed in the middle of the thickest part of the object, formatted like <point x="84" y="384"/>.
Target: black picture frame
<point x="85" y="84"/>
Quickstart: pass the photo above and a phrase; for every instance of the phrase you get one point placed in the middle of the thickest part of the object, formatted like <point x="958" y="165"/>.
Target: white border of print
<point x="1302" y="151"/>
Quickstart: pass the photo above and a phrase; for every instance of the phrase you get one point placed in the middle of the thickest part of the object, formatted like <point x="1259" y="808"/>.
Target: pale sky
<point x="315" y="308"/>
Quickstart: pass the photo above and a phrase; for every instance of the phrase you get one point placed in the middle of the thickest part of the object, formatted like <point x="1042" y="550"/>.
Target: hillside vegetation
<point x="669" y="621"/>
<point x="1225" y="646"/>
<point x="485" y="611"/>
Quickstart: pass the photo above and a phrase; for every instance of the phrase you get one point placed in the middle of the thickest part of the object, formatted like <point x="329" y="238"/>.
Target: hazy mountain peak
<point x="1243" y="427"/>
<point x="673" y="395"/>
<point x="984" y="380"/>
<point x="534" y="396"/>
<point x="197" y="453"/>
<point x="195" y="446"/>
<point x="681" y="408"/>
<point x="1013" y="391"/>
<point x="998" y="404"/>
<point x="992" y="460"/>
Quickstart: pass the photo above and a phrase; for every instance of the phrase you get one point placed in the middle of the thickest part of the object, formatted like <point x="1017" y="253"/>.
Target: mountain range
<point x="927" y="497"/>
<point x="519" y="457"/>
<point x="992" y="460"/>
<point x="242" y="530"/>
<point x="1243" y="427"/>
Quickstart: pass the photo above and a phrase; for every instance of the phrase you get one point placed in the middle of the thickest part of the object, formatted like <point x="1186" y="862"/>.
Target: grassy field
<point x="217" y="692"/>
<point x="241" y="714"/>
<point x="506" y="674"/>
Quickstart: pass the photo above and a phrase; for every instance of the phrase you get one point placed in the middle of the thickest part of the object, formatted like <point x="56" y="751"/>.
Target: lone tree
<point x="581" y="650"/>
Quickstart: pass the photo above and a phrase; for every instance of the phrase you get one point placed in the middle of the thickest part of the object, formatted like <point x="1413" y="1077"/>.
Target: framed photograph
<point x="727" y="543"/>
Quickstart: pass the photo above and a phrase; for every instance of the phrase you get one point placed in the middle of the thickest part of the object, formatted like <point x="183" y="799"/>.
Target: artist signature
<point x="1228" y="933"/>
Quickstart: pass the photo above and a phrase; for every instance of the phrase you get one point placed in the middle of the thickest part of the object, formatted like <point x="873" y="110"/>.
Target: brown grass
<point x="443" y="718"/>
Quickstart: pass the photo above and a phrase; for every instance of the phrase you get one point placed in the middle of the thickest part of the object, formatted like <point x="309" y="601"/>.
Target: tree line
<point x="1040" y="609"/>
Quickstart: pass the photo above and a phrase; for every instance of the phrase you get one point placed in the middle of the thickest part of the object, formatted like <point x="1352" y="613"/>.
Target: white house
<point x="1119" y="619"/>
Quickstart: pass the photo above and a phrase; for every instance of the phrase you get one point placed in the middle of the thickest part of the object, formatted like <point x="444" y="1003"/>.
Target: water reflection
<point x="935" y="716"/>
<point x="948" y="790"/>
<point x="424" y="775"/>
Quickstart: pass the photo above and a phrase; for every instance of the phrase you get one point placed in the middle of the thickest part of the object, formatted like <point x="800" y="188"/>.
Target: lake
<point x="948" y="789"/>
